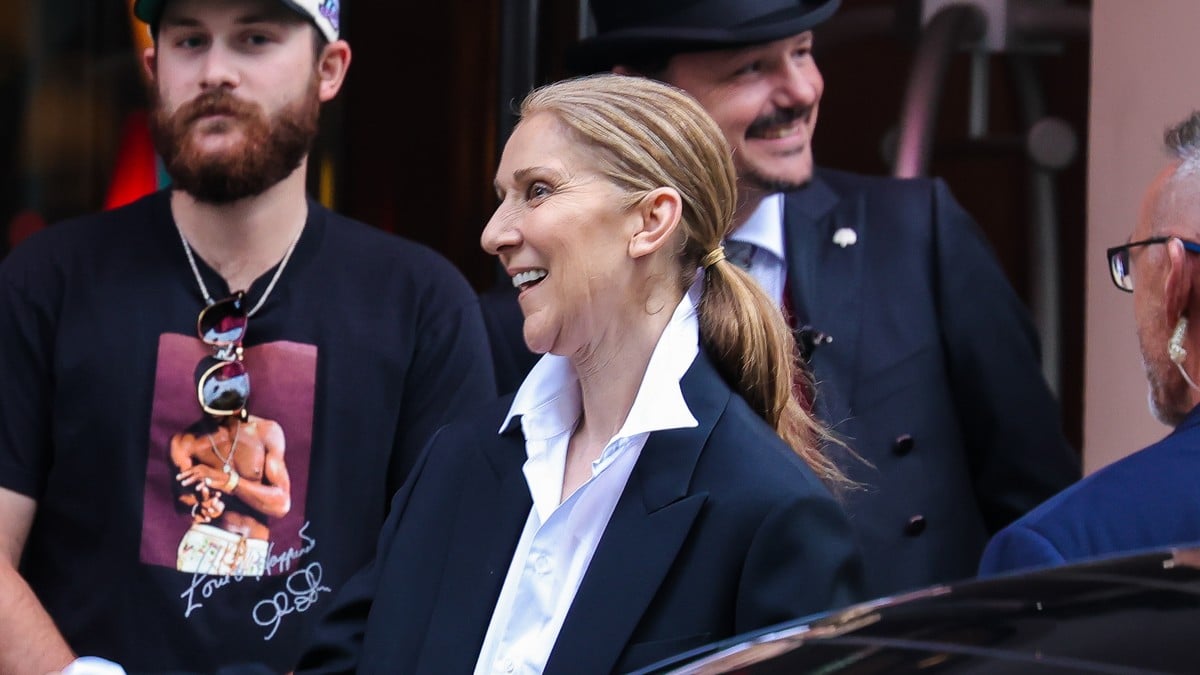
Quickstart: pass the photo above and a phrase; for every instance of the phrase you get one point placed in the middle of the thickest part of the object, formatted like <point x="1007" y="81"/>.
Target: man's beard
<point x="1167" y="391"/>
<point x="270" y="150"/>
<point x="760" y="181"/>
<point x="771" y="184"/>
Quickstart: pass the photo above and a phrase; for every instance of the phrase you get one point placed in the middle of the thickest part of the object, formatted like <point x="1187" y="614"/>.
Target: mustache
<point x="215" y="102"/>
<point x="776" y="118"/>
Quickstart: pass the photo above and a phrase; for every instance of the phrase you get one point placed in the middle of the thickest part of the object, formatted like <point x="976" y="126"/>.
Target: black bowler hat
<point x="635" y="30"/>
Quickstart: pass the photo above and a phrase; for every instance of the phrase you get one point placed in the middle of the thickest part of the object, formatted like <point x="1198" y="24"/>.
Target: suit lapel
<point x="487" y="526"/>
<point x="825" y="282"/>
<point x="649" y="525"/>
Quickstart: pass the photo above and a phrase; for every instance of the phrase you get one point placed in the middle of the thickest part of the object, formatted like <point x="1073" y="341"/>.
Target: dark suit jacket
<point x="933" y="373"/>
<point x="720" y="530"/>
<point x="1149" y="499"/>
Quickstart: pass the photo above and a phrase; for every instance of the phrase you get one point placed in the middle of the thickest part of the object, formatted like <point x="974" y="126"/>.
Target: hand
<point x="210" y="509"/>
<point x="206" y="504"/>
<point x="202" y="475"/>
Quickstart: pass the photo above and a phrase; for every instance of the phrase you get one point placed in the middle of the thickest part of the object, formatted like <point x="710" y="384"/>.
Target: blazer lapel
<point x="650" y="524"/>
<point x="487" y="526"/>
<point x="825" y="282"/>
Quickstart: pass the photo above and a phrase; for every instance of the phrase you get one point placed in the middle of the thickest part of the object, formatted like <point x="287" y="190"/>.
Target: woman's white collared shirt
<point x="559" y="540"/>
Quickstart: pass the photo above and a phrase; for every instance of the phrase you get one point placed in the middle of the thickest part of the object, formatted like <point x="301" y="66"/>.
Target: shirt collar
<point x="764" y="227"/>
<point x="549" y="401"/>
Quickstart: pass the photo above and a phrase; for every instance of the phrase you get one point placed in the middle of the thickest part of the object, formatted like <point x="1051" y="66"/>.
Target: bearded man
<point x="119" y="329"/>
<point x="1148" y="499"/>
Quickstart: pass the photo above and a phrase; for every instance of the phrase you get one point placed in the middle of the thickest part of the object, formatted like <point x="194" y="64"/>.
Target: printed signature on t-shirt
<point x="303" y="587"/>
<point x="282" y="562"/>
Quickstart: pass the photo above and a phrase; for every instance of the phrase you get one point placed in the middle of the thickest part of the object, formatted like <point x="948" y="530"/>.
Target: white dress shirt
<point x="764" y="229"/>
<point x="559" y="539"/>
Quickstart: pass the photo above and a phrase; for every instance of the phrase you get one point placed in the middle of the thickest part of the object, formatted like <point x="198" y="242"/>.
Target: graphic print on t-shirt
<point x="225" y="497"/>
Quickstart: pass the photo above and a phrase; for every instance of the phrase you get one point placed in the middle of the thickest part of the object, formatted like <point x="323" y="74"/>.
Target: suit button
<point x="915" y="526"/>
<point x="902" y="445"/>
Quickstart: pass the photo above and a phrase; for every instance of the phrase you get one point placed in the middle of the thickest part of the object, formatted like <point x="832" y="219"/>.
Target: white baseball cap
<point x="323" y="13"/>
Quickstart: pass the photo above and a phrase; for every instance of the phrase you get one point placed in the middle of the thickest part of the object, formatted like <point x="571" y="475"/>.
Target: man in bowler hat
<point x="926" y="362"/>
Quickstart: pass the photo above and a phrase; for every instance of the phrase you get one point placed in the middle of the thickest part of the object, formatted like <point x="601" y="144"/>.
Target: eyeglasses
<point x="1118" y="259"/>
<point x="222" y="383"/>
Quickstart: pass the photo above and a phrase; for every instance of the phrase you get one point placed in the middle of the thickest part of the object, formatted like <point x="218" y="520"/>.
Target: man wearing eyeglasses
<point x="1150" y="498"/>
<point x="235" y="297"/>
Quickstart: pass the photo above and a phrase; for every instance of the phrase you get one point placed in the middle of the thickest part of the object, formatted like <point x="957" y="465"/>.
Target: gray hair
<point x="1183" y="142"/>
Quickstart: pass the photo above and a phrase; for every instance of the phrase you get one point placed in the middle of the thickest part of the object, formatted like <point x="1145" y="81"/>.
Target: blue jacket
<point x="1149" y="499"/>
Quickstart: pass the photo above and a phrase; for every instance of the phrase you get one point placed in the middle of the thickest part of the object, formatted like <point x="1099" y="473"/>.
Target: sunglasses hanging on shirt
<point x="222" y="383"/>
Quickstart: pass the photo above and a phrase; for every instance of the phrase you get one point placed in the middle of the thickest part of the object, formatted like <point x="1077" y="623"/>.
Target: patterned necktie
<point x="741" y="253"/>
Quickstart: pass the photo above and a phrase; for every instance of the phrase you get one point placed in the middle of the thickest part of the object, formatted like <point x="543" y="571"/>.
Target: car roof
<point x="1134" y="613"/>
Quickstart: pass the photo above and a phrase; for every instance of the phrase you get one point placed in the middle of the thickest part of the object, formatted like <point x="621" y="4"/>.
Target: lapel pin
<point x="845" y="237"/>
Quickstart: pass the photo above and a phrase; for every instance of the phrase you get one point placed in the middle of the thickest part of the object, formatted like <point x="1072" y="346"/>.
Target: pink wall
<point x="1143" y="80"/>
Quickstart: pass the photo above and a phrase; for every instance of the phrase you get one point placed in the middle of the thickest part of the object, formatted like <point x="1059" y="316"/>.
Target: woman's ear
<point x="660" y="211"/>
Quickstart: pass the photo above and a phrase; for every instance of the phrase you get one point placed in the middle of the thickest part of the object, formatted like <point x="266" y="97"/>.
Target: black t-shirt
<point x="367" y="344"/>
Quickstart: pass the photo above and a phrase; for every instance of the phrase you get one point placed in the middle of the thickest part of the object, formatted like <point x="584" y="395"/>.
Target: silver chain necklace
<point x="227" y="461"/>
<point x="208" y="299"/>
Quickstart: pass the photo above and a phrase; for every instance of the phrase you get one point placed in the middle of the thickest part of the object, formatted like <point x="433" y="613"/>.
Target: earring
<point x="1175" y="349"/>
